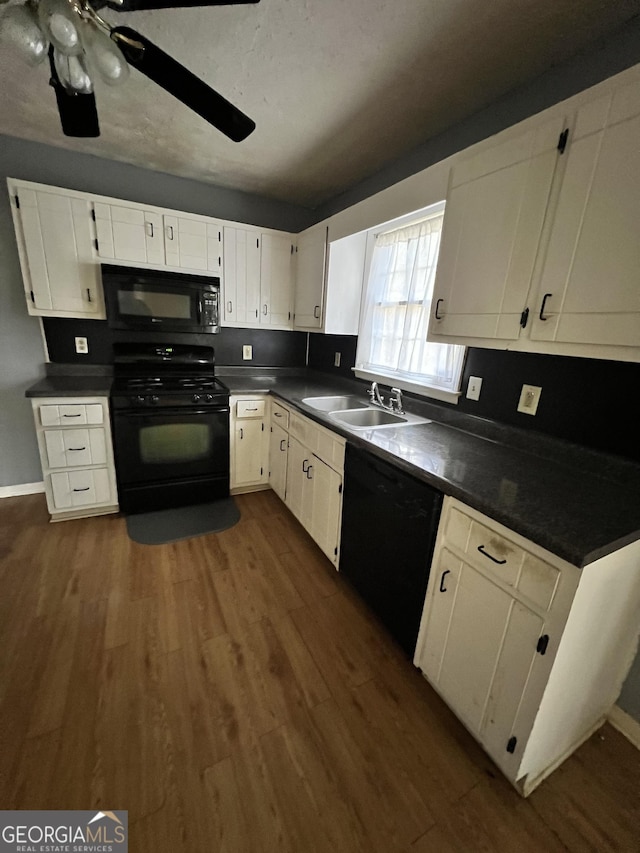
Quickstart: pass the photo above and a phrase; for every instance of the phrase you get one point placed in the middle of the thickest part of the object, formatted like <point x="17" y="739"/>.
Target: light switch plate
<point x="473" y="388"/>
<point x="82" y="346"/>
<point x="247" y="352"/>
<point x="529" y="399"/>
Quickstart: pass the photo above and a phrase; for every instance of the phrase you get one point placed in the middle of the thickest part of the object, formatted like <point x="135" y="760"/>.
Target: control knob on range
<point x="195" y="398"/>
<point x="138" y="401"/>
<point x="154" y="400"/>
<point x="208" y="398"/>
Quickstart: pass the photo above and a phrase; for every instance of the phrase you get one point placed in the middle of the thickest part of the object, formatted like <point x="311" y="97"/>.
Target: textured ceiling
<point x="337" y="88"/>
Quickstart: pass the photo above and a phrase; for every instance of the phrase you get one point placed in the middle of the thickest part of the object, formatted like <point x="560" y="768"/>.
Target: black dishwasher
<point x="389" y="525"/>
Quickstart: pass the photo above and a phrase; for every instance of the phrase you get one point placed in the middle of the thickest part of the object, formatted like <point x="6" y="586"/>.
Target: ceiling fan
<point x="81" y="45"/>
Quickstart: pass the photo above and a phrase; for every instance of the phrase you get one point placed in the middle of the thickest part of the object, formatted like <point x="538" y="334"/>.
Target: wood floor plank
<point x="232" y="692"/>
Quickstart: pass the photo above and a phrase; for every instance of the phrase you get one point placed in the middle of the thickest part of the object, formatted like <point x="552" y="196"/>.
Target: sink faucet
<point x="395" y="403"/>
<point x="375" y="396"/>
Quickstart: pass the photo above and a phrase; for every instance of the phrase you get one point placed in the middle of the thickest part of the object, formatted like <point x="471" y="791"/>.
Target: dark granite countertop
<point x="71" y="386"/>
<point x="576" y="503"/>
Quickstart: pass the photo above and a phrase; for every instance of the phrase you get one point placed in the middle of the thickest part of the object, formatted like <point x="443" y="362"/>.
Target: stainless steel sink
<point x="367" y="418"/>
<point x="335" y="404"/>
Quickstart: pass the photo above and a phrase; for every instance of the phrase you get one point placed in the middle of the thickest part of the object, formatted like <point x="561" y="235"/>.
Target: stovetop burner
<point x="151" y="375"/>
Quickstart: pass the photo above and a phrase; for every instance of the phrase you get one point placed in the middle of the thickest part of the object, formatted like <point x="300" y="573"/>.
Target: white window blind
<point x="392" y="341"/>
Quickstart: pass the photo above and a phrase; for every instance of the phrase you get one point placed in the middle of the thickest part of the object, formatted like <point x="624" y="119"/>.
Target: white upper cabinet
<point x="329" y="278"/>
<point x="139" y="236"/>
<point x="493" y="221"/>
<point x="258" y="279"/>
<point x="539" y="250"/>
<point x="589" y="288"/>
<point x="310" y="277"/>
<point x="55" y="243"/>
<point x="276" y="280"/>
<point x="241" y="279"/>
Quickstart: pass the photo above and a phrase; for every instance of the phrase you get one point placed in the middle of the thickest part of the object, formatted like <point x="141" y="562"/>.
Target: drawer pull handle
<point x="316" y="312"/>
<point x="76" y="448"/>
<point x="277" y="415"/>
<point x="544" y="301"/>
<point x="283" y="441"/>
<point x="493" y="559"/>
<point x="150" y="224"/>
<point x="437" y="315"/>
<point x="310" y="468"/>
<point x="73" y="416"/>
<point x="241" y="433"/>
<point x="255" y="409"/>
<point x="89" y="295"/>
<point x="543" y="642"/>
<point x="264" y="309"/>
<point x="442" y="586"/>
<point x="86" y="489"/>
<point x="305" y="462"/>
<point x="229" y="306"/>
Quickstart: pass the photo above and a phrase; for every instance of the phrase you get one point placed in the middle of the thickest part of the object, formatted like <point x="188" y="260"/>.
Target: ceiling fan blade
<point x="78" y="113"/>
<point x="140" y="5"/>
<point x="182" y="84"/>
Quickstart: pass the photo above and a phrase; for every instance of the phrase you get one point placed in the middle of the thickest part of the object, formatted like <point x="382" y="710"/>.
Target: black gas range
<point x="171" y="426"/>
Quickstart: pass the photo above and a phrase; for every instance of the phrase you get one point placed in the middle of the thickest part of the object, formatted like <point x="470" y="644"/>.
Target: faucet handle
<point x="396" y="399"/>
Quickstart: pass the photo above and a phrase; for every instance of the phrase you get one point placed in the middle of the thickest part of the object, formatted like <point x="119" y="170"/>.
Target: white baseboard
<point x="21" y="489"/>
<point x="625" y="724"/>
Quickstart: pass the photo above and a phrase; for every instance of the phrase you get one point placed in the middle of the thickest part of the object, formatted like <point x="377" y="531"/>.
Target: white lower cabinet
<point x="306" y="466"/>
<point x="77" y="461"/>
<point x="511" y="641"/>
<point x="249" y="443"/>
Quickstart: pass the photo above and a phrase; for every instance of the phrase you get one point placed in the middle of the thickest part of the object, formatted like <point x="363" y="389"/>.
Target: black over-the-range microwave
<point x="142" y="299"/>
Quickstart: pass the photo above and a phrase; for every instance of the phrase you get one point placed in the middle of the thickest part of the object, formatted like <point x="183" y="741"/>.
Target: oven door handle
<point x="128" y="415"/>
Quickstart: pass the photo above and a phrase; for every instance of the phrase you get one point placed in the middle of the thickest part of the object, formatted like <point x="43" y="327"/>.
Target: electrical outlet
<point x="82" y="346"/>
<point x="247" y="352"/>
<point x="473" y="388"/>
<point x="529" y="399"/>
<point x="336" y="359"/>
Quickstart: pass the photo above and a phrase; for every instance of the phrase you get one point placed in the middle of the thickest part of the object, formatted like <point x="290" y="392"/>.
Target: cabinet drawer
<point x="280" y="415"/>
<point x="250" y="408"/>
<point x="535" y="579"/>
<point x="71" y="414"/>
<point x="80" y="488"/>
<point x="68" y="448"/>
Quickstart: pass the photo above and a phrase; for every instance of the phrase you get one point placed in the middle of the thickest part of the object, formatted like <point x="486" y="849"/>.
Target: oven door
<point x="171" y="451"/>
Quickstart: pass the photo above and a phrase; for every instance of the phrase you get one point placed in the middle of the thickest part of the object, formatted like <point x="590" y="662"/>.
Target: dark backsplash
<point x="583" y="400"/>
<point x="271" y="348"/>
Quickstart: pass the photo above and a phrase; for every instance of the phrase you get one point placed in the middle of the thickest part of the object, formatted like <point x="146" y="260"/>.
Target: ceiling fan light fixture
<point x="104" y="57"/>
<point x="60" y="21"/>
<point x="19" y="30"/>
<point x="72" y="73"/>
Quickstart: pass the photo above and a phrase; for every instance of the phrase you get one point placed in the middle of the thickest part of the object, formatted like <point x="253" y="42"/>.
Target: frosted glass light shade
<point x="104" y="56"/>
<point x="61" y="24"/>
<point x="73" y="73"/>
<point x="19" y="30"/>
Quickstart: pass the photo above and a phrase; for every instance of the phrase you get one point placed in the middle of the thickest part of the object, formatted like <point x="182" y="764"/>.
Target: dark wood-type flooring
<point x="233" y="694"/>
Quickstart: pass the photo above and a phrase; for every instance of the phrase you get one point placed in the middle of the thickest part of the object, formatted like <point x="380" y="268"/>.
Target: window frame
<point x="435" y="392"/>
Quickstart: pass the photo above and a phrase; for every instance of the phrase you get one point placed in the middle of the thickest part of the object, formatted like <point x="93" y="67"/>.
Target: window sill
<point x="405" y="385"/>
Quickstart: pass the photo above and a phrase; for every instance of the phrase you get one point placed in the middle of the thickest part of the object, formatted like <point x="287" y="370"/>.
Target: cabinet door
<point x="309" y="278"/>
<point x="589" y="292"/>
<point x="249" y="457"/>
<point x="192" y="244"/>
<point x="129" y="234"/>
<point x="57" y="240"/>
<point x="298" y="495"/>
<point x="493" y="220"/>
<point x="276" y="280"/>
<point x="278" y="452"/>
<point x="326" y="507"/>
<point x="241" y="279"/>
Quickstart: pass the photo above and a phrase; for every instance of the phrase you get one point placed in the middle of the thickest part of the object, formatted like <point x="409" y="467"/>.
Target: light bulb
<point x="73" y="73"/>
<point x="19" y="29"/>
<point x="104" y="56"/>
<point x="60" y="22"/>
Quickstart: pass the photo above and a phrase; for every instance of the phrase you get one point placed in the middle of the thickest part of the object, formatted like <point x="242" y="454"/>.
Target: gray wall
<point x="21" y="348"/>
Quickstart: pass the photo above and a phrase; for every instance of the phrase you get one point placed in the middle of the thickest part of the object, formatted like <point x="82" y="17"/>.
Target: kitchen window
<point x="392" y="344"/>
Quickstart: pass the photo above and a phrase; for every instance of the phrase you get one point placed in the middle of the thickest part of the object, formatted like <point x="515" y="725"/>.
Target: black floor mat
<point x="171" y="525"/>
